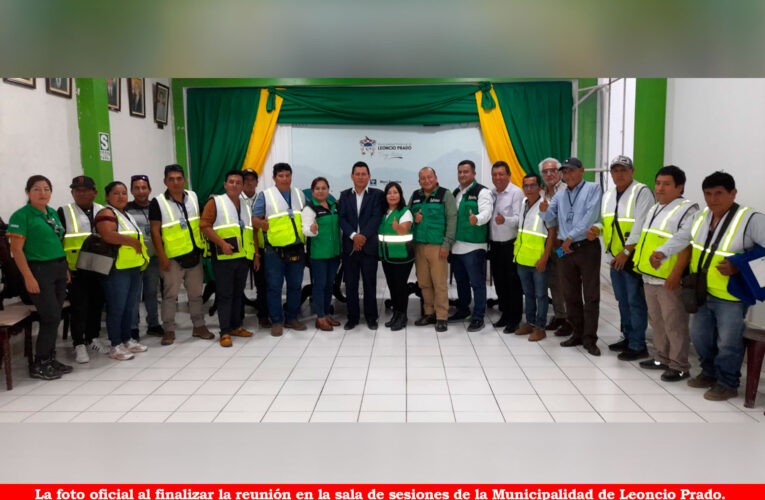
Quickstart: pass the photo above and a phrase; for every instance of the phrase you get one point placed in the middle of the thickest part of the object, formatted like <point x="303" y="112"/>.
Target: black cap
<point x="249" y="171"/>
<point x="82" y="181"/>
<point x="572" y="162"/>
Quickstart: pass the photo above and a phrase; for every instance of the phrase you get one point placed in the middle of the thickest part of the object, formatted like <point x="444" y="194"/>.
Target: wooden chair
<point x="755" y="351"/>
<point x="14" y="319"/>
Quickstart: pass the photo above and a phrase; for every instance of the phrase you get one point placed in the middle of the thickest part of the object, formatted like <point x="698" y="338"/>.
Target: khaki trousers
<point x="432" y="275"/>
<point x="669" y="321"/>
<point x="193" y="280"/>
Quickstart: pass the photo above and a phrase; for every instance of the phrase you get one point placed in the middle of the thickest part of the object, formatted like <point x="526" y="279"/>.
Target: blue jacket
<point x="743" y="285"/>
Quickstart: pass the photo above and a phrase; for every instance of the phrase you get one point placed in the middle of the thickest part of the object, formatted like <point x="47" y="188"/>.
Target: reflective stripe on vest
<point x="393" y="247"/>
<point x="717" y="284"/>
<point x="227" y="226"/>
<point x="282" y="228"/>
<point x="75" y="220"/>
<point x="176" y="239"/>
<point x="530" y="244"/>
<point x="626" y="220"/>
<point x="127" y="257"/>
<point x="251" y="203"/>
<point x="655" y="236"/>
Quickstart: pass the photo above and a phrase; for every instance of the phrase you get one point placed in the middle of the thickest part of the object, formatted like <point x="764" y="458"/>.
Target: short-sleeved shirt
<point x="42" y="233"/>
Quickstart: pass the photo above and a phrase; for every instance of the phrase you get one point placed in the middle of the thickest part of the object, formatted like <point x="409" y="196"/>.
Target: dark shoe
<point x="511" y="327"/>
<point x="458" y="317"/>
<point x="671" y="375"/>
<point x="572" y="342"/>
<point x="61" y="367"/>
<point x="430" y="319"/>
<point x="475" y="325"/>
<point x="702" y="381"/>
<point x="555" y="323"/>
<point x="720" y="393"/>
<point x="632" y="354"/>
<point x="565" y="329"/>
<point x="372" y="325"/>
<point x="400" y="323"/>
<point x="277" y="329"/>
<point x="652" y="364"/>
<point x="441" y="325"/>
<point x="168" y="338"/>
<point x="501" y="323"/>
<point x="332" y="321"/>
<point x="43" y="370"/>
<point x="392" y="320"/>
<point x="295" y="325"/>
<point x="135" y="334"/>
<point x="156" y="331"/>
<point x="264" y="322"/>
<point x="350" y="325"/>
<point x="620" y="346"/>
<point x="592" y="349"/>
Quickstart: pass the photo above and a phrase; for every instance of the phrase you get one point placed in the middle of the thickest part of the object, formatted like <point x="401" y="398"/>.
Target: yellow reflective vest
<point x="127" y="257"/>
<point x="532" y="235"/>
<point x="656" y="231"/>
<point x="284" y="222"/>
<point x="176" y="237"/>
<point x="230" y="225"/>
<point x="77" y="230"/>
<point x="625" y="215"/>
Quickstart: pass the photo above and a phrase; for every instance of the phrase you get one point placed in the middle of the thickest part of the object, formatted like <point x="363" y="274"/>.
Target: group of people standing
<point x="543" y="236"/>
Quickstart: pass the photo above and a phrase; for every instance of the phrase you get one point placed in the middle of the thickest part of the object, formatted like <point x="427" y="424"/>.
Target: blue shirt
<point x="575" y="209"/>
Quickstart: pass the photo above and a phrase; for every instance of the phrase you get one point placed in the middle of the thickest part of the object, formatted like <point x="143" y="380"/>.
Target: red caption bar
<point x="381" y="492"/>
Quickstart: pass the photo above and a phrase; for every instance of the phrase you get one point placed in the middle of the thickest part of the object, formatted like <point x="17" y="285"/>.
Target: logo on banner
<point x="368" y="145"/>
<point x="393" y="150"/>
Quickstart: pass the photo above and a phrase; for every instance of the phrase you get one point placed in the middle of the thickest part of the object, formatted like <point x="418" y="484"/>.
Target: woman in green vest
<point x="396" y="251"/>
<point x="119" y="228"/>
<point x="320" y="225"/>
<point x="35" y="233"/>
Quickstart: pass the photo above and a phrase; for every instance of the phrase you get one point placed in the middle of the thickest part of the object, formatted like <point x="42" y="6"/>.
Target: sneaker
<point x="225" y="340"/>
<point x="241" y="332"/>
<point x="156" y="331"/>
<point x="622" y="345"/>
<point x="202" y="332"/>
<point x="100" y="346"/>
<point x="120" y="353"/>
<point x="652" y="364"/>
<point x="524" y="329"/>
<point x="702" y="381"/>
<point x="168" y="338"/>
<point x="671" y="375"/>
<point x="43" y="370"/>
<point x="61" y="367"/>
<point x="720" y="393"/>
<point x="81" y="354"/>
<point x="133" y="345"/>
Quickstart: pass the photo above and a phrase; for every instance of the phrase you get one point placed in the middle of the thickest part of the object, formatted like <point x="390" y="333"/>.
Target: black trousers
<point x="261" y="289"/>
<point x="581" y="278"/>
<point x="363" y="265"/>
<point x="51" y="277"/>
<point x="230" y="279"/>
<point x="506" y="281"/>
<point x="87" y="299"/>
<point x="397" y="276"/>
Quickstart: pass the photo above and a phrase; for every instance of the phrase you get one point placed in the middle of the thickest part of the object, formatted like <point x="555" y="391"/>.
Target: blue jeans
<point x="534" y="286"/>
<point x="121" y="293"/>
<point x="717" y="333"/>
<point x="323" y="272"/>
<point x="633" y="310"/>
<point x="276" y="273"/>
<point x="149" y="287"/>
<point x="470" y="272"/>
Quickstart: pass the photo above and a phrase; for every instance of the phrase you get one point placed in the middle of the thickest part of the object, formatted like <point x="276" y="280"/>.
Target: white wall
<point x="38" y="135"/>
<point x="138" y="146"/>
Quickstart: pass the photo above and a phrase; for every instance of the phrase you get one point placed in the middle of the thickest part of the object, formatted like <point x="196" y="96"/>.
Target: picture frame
<point x="161" y="103"/>
<point x="22" y="82"/>
<point x="61" y="87"/>
<point x="136" y="97"/>
<point x="114" y="93"/>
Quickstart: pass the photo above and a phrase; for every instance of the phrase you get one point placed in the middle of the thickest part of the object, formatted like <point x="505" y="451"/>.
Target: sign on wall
<point x="104" y="146"/>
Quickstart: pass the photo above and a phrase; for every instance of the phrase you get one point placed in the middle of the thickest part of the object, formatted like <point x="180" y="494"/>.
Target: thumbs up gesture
<point x="395" y="224"/>
<point x="543" y="205"/>
<point x="473" y="219"/>
<point x="315" y="228"/>
<point x="500" y="219"/>
<point x="418" y="217"/>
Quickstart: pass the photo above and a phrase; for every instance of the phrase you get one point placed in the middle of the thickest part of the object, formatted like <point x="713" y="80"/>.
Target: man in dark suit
<point x="360" y="210"/>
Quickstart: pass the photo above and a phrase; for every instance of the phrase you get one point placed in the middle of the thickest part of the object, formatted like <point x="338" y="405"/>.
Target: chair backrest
<point x="13" y="281"/>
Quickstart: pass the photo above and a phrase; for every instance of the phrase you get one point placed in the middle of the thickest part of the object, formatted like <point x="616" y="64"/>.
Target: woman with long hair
<point x="396" y="253"/>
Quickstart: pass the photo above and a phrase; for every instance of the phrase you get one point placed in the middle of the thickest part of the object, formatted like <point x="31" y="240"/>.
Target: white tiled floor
<point x="414" y="375"/>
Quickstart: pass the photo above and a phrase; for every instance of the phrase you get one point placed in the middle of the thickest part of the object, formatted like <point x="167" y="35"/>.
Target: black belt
<point x="580" y="244"/>
<point x="508" y="242"/>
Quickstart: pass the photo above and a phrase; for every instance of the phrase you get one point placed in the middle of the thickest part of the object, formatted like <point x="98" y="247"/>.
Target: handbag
<point x="190" y="259"/>
<point x="96" y="255"/>
<point x="291" y="254"/>
<point x="693" y="292"/>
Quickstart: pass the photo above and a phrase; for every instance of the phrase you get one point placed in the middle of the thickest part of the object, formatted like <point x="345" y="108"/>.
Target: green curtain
<point x="538" y="117"/>
<point x="219" y="127"/>
<point x="399" y="105"/>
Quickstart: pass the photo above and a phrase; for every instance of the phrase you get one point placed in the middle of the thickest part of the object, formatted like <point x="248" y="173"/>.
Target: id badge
<point x="184" y="224"/>
<point x="241" y="225"/>
<point x="570" y="218"/>
<point x="147" y="230"/>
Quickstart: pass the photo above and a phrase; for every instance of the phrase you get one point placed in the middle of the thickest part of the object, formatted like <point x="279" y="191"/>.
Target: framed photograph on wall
<point x="59" y="86"/>
<point x="161" y="100"/>
<point x="114" y="93"/>
<point x="24" y="82"/>
<point x="136" y="97"/>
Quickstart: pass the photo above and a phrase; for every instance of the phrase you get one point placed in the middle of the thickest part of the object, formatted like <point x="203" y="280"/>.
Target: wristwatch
<point x="626" y="252"/>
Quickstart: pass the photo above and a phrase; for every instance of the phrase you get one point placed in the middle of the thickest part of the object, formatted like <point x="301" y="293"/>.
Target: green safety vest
<point x="227" y="225"/>
<point x="393" y="247"/>
<point x="654" y="234"/>
<point x="284" y="221"/>
<point x="76" y="221"/>
<point x="177" y="239"/>
<point x="626" y="217"/>
<point x="469" y="202"/>
<point x="326" y="243"/>
<point x="532" y="236"/>
<point x="127" y="258"/>
<point x="732" y="243"/>
<point x="432" y="229"/>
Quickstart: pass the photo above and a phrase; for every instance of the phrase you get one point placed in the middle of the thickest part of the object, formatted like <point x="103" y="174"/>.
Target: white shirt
<point x="359" y="201"/>
<point x="485" y="208"/>
<point x="407" y="217"/>
<point x="508" y="203"/>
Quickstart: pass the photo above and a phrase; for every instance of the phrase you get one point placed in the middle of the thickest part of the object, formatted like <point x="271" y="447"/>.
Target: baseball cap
<point x="82" y="181"/>
<point x="625" y="161"/>
<point x="572" y="162"/>
<point x="249" y="171"/>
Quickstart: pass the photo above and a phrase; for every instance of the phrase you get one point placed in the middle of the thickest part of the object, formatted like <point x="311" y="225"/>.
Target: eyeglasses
<point x="134" y="178"/>
<point x="530" y="186"/>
